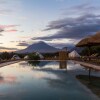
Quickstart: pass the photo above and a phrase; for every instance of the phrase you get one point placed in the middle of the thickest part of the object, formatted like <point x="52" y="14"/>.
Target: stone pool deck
<point x="88" y="65"/>
<point x="8" y="63"/>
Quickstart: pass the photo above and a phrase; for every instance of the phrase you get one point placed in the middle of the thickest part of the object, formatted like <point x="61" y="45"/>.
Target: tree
<point x="93" y="50"/>
<point x="33" y="56"/>
<point x="5" y="55"/>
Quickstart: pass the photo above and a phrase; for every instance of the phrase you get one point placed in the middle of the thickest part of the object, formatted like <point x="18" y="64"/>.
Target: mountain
<point x="71" y="48"/>
<point x="41" y="47"/>
<point x="79" y="50"/>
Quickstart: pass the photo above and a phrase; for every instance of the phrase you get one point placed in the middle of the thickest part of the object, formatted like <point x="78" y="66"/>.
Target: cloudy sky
<point x="57" y="22"/>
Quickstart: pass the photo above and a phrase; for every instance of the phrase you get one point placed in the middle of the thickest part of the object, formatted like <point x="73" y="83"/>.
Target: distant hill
<point x="41" y="47"/>
<point x="71" y="48"/>
<point x="79" y="50"/>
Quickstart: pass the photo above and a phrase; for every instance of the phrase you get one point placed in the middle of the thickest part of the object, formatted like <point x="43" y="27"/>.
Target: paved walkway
<point x="88" y="65"/>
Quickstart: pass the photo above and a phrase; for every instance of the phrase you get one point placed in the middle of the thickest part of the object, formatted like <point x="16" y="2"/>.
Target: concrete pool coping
<point x="8" y="63"/>
<point x="88" y="65"/>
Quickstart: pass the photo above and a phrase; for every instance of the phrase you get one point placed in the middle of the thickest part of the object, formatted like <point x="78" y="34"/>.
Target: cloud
<point x="82" y="8"/>
<point x="1" y="30"/>
<point x="21" y="31"/>
<point x="25" y="37"/>
<point x="2" y="2"/>
<point x="75" y="27"/>
<point x="12" y="30"/>
<point x="5" y="8"/>
<point x="5" y="11"/>
<point x="12" y="8"/>
<point x="8" y="28"/>
<point x="23" y="44"/>
<point x="1" y="43"/>
<point x="1" y="35"/>
<point x="12" y="41"/>
<point x="61" y="45"/>
<point x="19" y="41"/>
<point x="5" y="48"/>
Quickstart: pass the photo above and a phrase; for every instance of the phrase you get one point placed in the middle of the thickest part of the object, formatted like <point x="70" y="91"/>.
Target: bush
<point x="34" y="57"/>
<point x="5" y="56"/>
<point x="93" y="50"/>
<point x="34" y="63"/>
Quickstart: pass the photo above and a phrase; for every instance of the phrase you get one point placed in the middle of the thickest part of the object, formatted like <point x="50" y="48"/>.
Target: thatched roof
<point x="83" y="42"/>
<point x="90" y="41"/>
<point x="95" y="39"/>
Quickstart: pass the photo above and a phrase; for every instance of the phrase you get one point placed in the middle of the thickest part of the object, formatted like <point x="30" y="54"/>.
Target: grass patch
<point x="93" y="84"/>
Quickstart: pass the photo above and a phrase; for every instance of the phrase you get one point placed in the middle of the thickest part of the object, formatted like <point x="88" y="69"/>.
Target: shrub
<point x="33" y="57"/>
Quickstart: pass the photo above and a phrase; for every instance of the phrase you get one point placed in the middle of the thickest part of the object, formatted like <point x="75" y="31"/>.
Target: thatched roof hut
<point x="73" y="54"/>
<point x="90" y="41"/>
<point x="95" y="39"/>
<point x="83" y="42"/>
<point x="15" y="57"/>
<point x="26" y="57"/>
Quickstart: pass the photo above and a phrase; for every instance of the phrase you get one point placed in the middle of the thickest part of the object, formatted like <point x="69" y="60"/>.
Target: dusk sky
<point x="57" y="22"/>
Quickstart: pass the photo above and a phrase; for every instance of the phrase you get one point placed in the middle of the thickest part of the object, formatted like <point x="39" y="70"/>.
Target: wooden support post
<point x="89" y="52"/>
<point x="89" y="75"/>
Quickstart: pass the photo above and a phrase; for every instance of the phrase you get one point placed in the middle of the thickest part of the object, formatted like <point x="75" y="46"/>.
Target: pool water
<point x="45" y="80"/>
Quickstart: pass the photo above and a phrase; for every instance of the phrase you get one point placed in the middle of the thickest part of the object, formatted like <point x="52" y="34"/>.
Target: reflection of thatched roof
<point x="90" y="41"/>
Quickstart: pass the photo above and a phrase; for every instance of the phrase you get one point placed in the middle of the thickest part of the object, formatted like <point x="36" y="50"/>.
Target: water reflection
<point x="63" y="64"/>
<point x="38" y="63"/>
<point x="10" y="79"/>
<point x="34" y="63"/>
<point x="45" y="81"/>
<point x="52" y="65"/>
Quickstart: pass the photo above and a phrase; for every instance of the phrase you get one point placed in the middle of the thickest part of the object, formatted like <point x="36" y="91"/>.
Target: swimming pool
<point x="43" y="80"/>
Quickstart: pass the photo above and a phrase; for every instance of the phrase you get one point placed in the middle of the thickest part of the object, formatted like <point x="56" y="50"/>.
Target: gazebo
<point x="93" y="40"/>
<point x="85" y="43"/>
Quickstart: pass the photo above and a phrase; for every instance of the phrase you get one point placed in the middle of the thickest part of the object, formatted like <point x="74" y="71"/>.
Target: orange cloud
<point x="8" y="28"/>
<point x="12" y="30"/>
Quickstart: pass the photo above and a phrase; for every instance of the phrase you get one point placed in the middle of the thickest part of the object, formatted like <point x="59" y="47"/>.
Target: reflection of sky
<point x="52" y="65"/>
<point x="7" y="79"/>
<point x="40" y="83"/>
